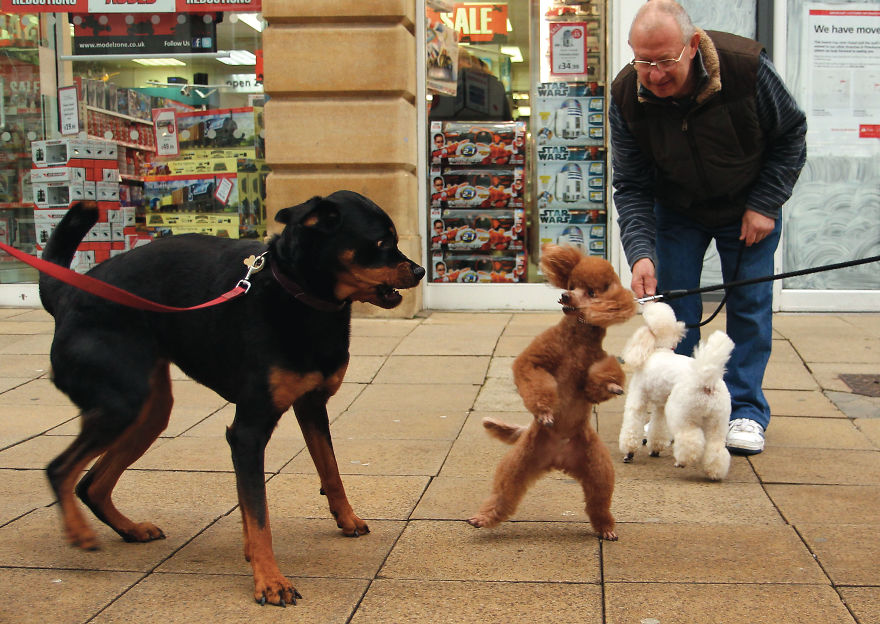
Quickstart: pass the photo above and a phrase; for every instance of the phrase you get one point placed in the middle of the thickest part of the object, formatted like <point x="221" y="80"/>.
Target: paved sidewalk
<point x="790" y="537"/>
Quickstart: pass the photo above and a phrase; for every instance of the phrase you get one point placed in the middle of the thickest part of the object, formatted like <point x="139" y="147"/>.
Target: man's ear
<point x="558" y="262"/>
<point x="317" y="213"/>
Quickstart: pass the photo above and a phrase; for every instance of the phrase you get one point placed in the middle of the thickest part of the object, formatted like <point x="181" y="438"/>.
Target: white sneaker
<point x="745" y="437"/>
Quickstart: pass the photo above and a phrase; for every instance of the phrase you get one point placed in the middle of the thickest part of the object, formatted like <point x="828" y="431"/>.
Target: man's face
<point x="660" y="43"/>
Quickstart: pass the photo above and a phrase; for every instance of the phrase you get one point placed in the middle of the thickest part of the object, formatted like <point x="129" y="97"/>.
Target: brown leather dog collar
<point x="301" y="295"/>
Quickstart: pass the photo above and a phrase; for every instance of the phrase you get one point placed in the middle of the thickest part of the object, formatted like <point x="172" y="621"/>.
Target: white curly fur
<point x="686" y="398"/>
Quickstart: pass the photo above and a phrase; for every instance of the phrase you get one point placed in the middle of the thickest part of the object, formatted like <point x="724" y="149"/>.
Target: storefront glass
<point x="156" y="116"/>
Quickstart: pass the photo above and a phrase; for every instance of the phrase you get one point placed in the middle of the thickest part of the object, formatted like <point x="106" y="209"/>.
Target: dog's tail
<point x="508" y="434"/>
<point x="61" y="247"/>
<point x="710" y="358"/>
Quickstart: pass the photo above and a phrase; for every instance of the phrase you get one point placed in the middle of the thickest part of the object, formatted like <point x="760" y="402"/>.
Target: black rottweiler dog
<point x="284" y="343"/>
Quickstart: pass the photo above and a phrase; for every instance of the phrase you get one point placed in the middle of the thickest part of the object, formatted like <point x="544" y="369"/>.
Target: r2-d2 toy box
<point x="468" y="229"/>
<point x="588" y="238"/>
<point x="501" y="187"/>
<point x="478" y="143"/>
<point x="570" y="184"/>
<point x="570" y="120"/>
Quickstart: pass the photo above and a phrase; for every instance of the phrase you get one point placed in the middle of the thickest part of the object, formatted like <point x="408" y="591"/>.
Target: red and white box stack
<point x="75" y="169"/>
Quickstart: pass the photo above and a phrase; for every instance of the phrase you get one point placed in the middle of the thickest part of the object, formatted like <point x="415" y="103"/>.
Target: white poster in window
<point x="68" y="110"/>
<point x="165" y="129"/>
<point x="568" y="48"/>
<point x="842" y="48"/>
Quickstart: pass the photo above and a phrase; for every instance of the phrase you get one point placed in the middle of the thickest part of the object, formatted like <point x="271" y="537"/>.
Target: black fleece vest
<point x="706" y="156"/>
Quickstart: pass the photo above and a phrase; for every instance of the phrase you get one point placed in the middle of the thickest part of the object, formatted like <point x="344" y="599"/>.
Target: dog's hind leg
<point x="96" y="487"/>
<point x="516" y="472"/>
<point x="659" y="436"/>
<point x="632" y="430"/>
<point x="689" y="446"/>
<point x="587" y="460"/>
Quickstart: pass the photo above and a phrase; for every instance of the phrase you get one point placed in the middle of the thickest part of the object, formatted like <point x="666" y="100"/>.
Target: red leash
<point x="117" y="295"/>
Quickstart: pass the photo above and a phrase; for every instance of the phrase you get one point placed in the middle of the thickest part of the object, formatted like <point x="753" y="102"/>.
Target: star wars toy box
<point x="478" y="143"/>
<point x="501" y="267"/>
<point x="569" y="114"/>
<point x="568" y="184"/>
<point x="479" y="230"/>
<point x="477" y="188"/>
<point x="589" y="238"/>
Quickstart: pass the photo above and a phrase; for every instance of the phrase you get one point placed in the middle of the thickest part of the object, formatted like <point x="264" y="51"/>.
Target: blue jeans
<point x="681" y="245"/>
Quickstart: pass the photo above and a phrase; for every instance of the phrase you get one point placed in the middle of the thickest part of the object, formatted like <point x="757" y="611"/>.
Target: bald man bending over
<point x="707" y="144"/>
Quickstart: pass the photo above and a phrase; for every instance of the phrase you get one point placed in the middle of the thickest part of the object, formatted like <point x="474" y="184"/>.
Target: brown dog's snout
<point x="565" y="297"/>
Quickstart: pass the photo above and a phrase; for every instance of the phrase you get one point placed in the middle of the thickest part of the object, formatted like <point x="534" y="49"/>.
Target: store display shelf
<point x="119" y="115"/>
<point x="17" y="206"/>
<point x="125" y="144"/>
<point x="131" y="179"/>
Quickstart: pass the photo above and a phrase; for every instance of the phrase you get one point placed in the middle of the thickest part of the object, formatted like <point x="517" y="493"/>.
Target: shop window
<point x="165" y="130"/>
<point x="516" y="114"/>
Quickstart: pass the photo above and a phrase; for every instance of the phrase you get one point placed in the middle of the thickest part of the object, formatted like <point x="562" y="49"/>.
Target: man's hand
<point x="755" y="227"/>
<point x="644" y="280"/>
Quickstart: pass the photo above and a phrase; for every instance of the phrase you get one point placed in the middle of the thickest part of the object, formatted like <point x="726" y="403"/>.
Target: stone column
<point x="341" y="77"/>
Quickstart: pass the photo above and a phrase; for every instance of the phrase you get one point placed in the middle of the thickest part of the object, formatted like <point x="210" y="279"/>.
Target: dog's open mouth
<point x="567" y="305"/>
<point x="388" y="296"/>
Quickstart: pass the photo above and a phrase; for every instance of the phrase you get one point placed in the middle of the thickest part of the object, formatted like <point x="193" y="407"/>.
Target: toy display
<point x="478" y="143"/>
<point x="483" y="188"/>
<point x="457" y="229"/>
<point x="474" y="268"/>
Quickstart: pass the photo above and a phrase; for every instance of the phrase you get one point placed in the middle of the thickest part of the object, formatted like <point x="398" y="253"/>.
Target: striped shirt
<point x="784" y="126"/>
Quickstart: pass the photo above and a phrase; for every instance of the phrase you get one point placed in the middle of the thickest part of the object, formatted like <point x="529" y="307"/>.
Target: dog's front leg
<point x="247" y="438"/>
<point x="311" y="412"/>
<point x="538" y="389"/>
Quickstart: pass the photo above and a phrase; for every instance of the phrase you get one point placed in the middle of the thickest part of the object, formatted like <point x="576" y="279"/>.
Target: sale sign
<point x="568" y="48"/>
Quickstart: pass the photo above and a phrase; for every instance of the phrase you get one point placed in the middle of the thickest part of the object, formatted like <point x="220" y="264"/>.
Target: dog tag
<point x="254" y="264"/>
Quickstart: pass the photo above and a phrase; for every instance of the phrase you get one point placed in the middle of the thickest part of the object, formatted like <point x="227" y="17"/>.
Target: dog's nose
<point x="418" y="272"/>
<point x="565" y="297"/>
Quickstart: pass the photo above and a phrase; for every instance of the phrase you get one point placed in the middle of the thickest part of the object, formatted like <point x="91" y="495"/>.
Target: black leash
<point x="678" y="294"/>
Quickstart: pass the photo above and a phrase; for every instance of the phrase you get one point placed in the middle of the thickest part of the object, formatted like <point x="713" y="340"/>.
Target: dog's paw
<point x="481" y="521"/>
<point x="275" y="590"/>
<point x="143" y="532"/>
<point x="609" y="535"/>
<point x="614" y="388"/>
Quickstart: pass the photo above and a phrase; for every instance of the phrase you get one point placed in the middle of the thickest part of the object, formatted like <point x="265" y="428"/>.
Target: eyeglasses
<point x="664" y="64"/>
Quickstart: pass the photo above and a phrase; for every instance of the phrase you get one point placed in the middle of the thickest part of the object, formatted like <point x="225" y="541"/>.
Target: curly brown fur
<point x="559" y="376"/>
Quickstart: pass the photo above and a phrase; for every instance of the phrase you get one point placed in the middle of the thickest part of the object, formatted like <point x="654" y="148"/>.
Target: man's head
<point x="662" y="31"/>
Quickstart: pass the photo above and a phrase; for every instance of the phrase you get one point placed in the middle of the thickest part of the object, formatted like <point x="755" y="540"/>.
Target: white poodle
<point x="690" y="392"/>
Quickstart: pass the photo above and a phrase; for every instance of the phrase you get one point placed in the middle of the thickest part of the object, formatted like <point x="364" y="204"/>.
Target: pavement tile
<point x="361" y="327"/>
<point x="37" y="392"/>
<point x="303" y="547"/>
<point x="678" y="603"/>
<point x="828" y="433"/>
<point x="20" y="422"/>
<point x="212" y="454"/>
<point x="828" y="375"/>
<point x="559" y="552"/>
<point x="709" y="554"/>
<point x="397" y="426"/>
<point x="378" y="457"/>
<point x="22" y="491"/>
<point x="863" y="601"/>
<point x="786" y="370"/>
<point x="843" y="504"/>
<point x="373" y="345"/>
<point x="848" y="553"/>
<point x="454" y="602"/>
<point x="819" y="466"/>
<point x="35" y="453"/>
<point x="439" y="339"/>
<point x="363" y="368"/>
<point x="511" y="345"/>
<point x="871" y="428"/>
<point x="24" y="366"/>
<point x="801" y="403"/>
<point x="440" y="369"/>
<point x="385" y="497"/>
<point x="187" y="598"/>
<point x="499" y="394"/>
<point x="407" y="398"/>
<point x="36" y="344"/>
<point x="58" y="596"/>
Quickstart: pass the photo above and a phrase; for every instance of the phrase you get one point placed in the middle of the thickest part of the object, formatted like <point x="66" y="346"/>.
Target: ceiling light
<point x="253" y="20"/>
<point x="513" y="52"/>
<point x="155" y="62"/>
<point x="239" y="57"/>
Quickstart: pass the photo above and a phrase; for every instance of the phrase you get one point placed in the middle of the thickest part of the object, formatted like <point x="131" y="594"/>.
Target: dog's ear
<point x="318" y="213"/>
<point x="558" y="262"/>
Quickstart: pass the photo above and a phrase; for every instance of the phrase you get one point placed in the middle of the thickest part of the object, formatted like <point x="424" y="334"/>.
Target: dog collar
<point x="301" y="295"/>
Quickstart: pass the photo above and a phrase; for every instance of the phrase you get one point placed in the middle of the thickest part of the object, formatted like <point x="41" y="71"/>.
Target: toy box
<point x="570" y="184"/>
<point x="220" y="128"/>
<point x="478" y="143"/>
<point x="482" y="268"/>
<point x="588" y="237"/>
<point x="483" y="230"/>
<point x="480" y="188"/>
<point x="570" y="120"/>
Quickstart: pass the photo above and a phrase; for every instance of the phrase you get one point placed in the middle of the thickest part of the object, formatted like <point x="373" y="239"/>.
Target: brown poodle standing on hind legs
<point x="559" y="376"/>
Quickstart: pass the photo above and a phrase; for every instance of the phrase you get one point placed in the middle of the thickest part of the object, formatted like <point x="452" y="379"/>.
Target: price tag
<point x="568" y="48"/>
<point x="68" y="110"/>
<point x="165" y="129"/>
<point x="224" y="189"/>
